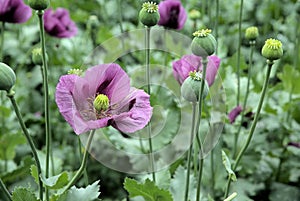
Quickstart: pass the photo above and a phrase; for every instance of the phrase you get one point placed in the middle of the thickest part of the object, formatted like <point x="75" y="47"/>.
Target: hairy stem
<point x="10" y="95"/>
<point x="83" y="162"/>
<point x="252" y="128"/>
<point x="190" y="154"/>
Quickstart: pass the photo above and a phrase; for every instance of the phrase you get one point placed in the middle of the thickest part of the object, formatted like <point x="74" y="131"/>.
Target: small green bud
<point x="93" y="22"/>
<point x="194" y="14"/>
<point x="191" y="87"/>
<point x="101" y="102"/>
<point x="272" y="49"/>
<point x="37" y="56"/>
<point x="251" y="33"/>
<point x="204" y="43"/>
<point x="75" y="71"/>
<point x="39" y="4"/>
<point x="7" y="77"/>
<point x="149" y="15"/>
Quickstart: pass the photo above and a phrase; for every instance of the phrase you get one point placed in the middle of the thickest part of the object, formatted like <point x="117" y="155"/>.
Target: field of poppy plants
<point x="166" y="100"/>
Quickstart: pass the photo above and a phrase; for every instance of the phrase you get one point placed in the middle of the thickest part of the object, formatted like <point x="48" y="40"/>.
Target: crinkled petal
<point x="212" y="69"/>
<point x="14" y="11"/>
<point x="135" y="112"/>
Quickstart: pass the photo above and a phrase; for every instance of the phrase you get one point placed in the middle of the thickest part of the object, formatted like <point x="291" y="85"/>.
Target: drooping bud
<point x="7" y="77"/>
<point x="149" y="15"/>
<point x="75" y="71"/>
<point x="191" y="87"/>
<point x="251" y="33"/>
<point x="204" y="43"/>
<point x="39" y="4"/>
<point x="101" y="102"/>
<point x="272" y="49"/>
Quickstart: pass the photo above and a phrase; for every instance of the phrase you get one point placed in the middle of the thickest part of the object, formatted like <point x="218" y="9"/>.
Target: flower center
<point x="150" y="7"/>
<point x="202" y="33"/>
<point x="273" y="44"/>
<point x="195" y="75"/>
<point x="101" y="103"/>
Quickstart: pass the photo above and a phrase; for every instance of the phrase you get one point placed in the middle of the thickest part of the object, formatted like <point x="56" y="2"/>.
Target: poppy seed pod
<point x="39" y="4"/>
<point x="7" y="77"/>
<point x="251" y="33"/>
<point x="149" y="15"/>
<point x="272" y="49"/>
<point x="204" y="43"/>
<point x="191" y="87"/>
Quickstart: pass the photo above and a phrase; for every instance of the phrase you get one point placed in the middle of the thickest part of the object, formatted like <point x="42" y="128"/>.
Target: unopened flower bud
<point x="194" y="14"/>
<point x="39" y="4"/>
<point x="251" y="33"/>
<point x="7" y="77"/>
<point x="272" y="49"/>
<point x="93" y="22"/>
<point x="101" y="102"/>
<point x="191" y="87"/>
<point x="149" y="15"/>
<point x="204" y="43"/>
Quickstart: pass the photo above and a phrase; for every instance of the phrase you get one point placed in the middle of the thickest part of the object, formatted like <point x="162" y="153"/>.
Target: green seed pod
<point x="272" y="49"/>
<point x="39" y="4"/>
<point x="204" y="44"/>
<point x="149" y="15"/>
<point x="191" y="87"/>
<point x="7" y="77"/>
<point x="101" y="102"/>
<point x="251" y="33"/>
<point x="194" y="14"/>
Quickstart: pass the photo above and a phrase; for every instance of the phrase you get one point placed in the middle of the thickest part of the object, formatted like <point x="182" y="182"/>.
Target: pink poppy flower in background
<point x="172" y="14"/>
<point x="188" y="63"/>
<point x="233" y="114"/>
<point x="128" y="109"/>
<point x="59" y="24"/>
<point x="14" y="11"/>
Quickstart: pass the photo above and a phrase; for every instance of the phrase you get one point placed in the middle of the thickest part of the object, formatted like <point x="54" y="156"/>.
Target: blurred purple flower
<point x="129" y="108"/>
<point x="172" y="14"/>
<point x="59" y="24"/>
<point x="14" y="11"/>
<point x="234" y="113"/>
<point x="294" y="144"/>
<point x="188" y="63"/>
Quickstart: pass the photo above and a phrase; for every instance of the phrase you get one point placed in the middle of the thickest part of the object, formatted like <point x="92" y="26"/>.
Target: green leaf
<point x="8" y="143"/>
<point x="227" y="164"/>
<point x="56" y="182"/>
<point x="34" y="173"/>
<point x="149" y="191"/>
<point x="21" y="194"/>
<point x="290" y="79"/>
<point x="90" y="193"/>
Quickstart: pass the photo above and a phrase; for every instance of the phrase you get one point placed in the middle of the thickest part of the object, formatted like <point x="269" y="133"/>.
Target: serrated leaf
<point x="34" y="173"/>
<point x="149" y="191"/>
<point x="21" y="194"/>
<point x="178" y="184"/>
<point x="90" y="193"/>
<point x="227" y="164"/>
<point x="56" y="182"/>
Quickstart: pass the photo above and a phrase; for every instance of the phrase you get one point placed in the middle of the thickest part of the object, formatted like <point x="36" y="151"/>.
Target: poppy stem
<point x="10" y="95"/>
<point x="5" y="191"/>
<point x="252" y="128"/>
<point x="85" y="176"/>
<point x="40" y="14"/>
<point x="236" y="137"/>
<point x="2" y="41"/>
<point x="83" y="163"/>
<point x="194" y="108"/>
<point x="152" y="169"/>
<point x="1" y="92"/>
<point x="217" y="23"/>
<point x="200" y="104"/>
<point x="239" y="53"/>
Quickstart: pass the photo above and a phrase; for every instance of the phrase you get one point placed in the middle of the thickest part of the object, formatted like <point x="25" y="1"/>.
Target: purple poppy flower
<point x="172" y="14"/>
<point x="59" y="24"/>
<point x="188" y="63"/>
<point x="233" y="114"/>
<point x="128" y="109"/>
<point x="14" y="11"/>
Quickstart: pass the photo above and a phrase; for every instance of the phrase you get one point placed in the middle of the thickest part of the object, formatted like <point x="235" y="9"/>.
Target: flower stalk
<point x="5" y="191"/>
<point x="10" y="95"/>
<point x="83" y="163"/>
<point x="194" y="108"/>
<point x="252" y="129"/>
